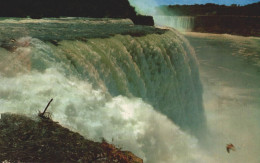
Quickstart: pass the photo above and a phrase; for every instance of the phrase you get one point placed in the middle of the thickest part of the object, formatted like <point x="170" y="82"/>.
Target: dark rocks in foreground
<point x="42" y="140"/>
<point x="143" y="20"/>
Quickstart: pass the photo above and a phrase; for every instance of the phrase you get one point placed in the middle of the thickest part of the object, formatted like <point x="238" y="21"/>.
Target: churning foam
<point x="124" y="89"/>
<point x="129" y="123"/>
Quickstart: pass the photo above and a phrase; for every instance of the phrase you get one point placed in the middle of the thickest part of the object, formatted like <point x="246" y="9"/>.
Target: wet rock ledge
<point x="28" y="139"/>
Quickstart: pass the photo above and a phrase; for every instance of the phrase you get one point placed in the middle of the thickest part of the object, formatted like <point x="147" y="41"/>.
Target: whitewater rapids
<point x="137" y="87"/>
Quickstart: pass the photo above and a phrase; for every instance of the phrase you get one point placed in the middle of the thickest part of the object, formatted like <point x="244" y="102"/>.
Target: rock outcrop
<point x="43" y="140"/>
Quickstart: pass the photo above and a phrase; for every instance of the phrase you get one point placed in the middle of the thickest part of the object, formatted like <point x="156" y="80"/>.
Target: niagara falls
<point x="135" y="81"/>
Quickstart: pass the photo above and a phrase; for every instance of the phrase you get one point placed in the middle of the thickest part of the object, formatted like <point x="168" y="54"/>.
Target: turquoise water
<point x="70" y="28"/>
<point x="136" y="86"/>
<point x="230" y="73"/>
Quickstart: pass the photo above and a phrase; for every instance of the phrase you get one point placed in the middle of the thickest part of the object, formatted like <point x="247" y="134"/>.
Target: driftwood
<point x="44" y="114"/>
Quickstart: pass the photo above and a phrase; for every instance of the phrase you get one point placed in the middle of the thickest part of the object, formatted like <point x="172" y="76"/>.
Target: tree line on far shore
<point x="211" y="9"/>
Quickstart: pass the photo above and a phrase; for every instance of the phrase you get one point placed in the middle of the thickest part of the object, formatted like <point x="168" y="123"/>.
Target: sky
<point x="226" y="2"/>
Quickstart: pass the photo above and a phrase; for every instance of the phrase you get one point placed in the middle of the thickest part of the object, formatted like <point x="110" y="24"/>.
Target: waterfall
<point x="132" y="91"/>
<point x="181" y="23"/>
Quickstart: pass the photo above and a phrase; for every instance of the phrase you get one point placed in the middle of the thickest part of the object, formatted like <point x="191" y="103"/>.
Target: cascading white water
<point x="123" y="88"/>
<point x="181" y="23"/>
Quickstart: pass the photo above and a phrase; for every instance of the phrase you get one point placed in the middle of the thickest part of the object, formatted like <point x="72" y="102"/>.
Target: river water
<point x="230" y="73"/>
<point x="138" y="87"/>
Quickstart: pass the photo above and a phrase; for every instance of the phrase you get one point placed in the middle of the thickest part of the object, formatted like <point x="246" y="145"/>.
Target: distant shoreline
<point x="220" y="19"/>
<point x="235" y="25"/>
<point x="209" y="9"/>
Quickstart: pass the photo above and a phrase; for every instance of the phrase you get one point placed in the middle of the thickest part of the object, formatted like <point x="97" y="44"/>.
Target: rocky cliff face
<point x="213" y="18"/>
<point x="42" y="140"/>
<point x="236" y="25"/>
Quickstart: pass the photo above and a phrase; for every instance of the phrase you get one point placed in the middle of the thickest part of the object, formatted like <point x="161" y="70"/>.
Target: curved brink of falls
<point x="162" y="70"/>
<point x="111" y="88"/>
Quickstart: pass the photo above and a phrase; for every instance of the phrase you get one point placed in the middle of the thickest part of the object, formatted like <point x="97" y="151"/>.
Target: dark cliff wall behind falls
<point x="236" y="25"/>
<point x="213" y="18"/>
<point x="72" y="8"/>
